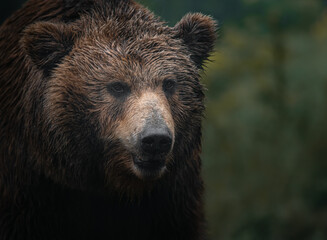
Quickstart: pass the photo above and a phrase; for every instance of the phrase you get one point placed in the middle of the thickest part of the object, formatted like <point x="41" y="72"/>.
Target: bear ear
<point x="47" y="43"/>
<point x="198" y="33"/>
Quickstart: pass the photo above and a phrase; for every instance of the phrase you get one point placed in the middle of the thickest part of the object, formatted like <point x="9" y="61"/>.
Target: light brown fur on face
<point x="149" y="106"/>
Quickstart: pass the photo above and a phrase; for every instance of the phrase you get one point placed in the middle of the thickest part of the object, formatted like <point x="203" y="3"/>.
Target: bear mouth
<point x="149" y="167"/>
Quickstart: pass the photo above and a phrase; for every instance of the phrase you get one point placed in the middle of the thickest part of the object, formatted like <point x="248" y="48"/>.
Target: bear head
<point x="121" y="98"/>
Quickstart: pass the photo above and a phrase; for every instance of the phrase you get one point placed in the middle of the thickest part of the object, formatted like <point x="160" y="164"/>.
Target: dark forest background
<point x="265" y="132"/>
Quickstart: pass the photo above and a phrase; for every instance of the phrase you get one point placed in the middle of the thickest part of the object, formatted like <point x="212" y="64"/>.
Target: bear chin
<point x="149" y="168"/>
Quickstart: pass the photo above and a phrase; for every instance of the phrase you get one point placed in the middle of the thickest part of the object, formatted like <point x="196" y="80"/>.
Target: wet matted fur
<point x="79" y="83"/>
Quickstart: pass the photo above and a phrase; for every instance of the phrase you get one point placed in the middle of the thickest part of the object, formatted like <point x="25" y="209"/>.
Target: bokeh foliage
<point x="265" y="132"/>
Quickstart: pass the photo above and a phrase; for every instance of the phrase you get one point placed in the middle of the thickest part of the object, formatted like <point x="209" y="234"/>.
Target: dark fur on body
<point x="64" y="173"/>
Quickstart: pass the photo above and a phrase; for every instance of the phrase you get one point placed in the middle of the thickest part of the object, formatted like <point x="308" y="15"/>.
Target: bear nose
<point x="156" y="141"/>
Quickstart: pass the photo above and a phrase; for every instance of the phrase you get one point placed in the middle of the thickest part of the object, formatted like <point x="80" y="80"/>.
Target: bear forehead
<point x="128" y="31"/>
<point x="147" y="57"/>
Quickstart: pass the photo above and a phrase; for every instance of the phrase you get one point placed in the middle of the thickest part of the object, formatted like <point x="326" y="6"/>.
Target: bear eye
<point x="169" y="85"/>
<point x="118" y="89"/>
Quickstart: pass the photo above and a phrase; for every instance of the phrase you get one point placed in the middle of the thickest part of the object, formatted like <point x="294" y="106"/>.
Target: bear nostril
<point x="148" y="140"/>
<point x="156" y="143"/>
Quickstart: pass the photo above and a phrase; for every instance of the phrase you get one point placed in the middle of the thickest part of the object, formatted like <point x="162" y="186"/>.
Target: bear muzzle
<point x="147" y="132"/>
<point x="154" y="143"/>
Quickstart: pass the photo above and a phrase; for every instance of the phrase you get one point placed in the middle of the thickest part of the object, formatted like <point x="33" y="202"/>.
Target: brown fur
<point x="66" y="141"/>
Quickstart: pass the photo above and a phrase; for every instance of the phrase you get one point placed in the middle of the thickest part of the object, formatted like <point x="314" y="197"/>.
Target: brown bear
<point x="100" y="122"/>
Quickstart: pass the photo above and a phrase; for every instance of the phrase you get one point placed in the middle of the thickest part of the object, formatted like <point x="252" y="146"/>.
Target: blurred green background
<point x="265" y="132"/>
